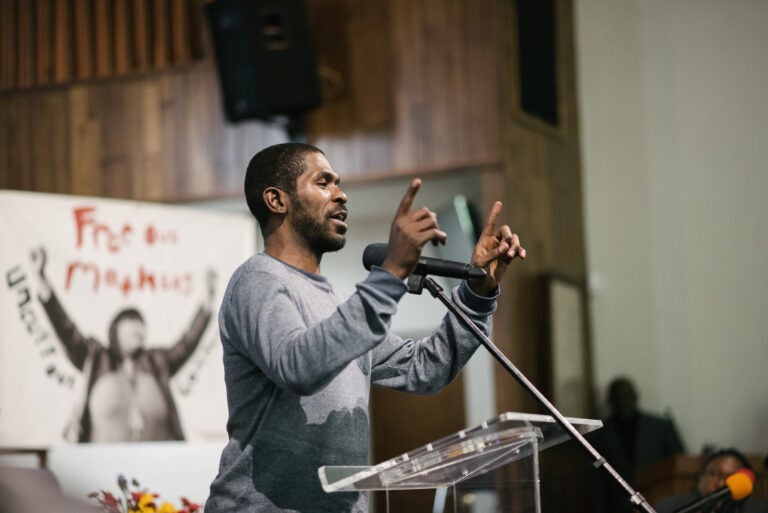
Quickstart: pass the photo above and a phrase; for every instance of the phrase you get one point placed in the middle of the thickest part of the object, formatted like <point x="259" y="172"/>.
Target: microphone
<point x="737" y="486"/>
<point x="375" y="254"/>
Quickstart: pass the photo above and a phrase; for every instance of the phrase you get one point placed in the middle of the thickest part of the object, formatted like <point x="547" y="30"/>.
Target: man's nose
<point x="340" y="196"/>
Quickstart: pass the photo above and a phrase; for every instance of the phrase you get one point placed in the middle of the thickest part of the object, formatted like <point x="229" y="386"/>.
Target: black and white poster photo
<point x="109" y="329"/>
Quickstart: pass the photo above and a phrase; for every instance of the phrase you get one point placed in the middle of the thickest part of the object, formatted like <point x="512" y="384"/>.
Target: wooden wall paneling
<point x="185" y="165"/>
<point x="160" y="34"/>
<point x="193" y="137"/>
<point x="152" y="147"/>
<point x="564" y="163"/>
<point x="174" y="176"/>
<point x="103" y="41"/>
<point x="546" y="211"/>
<point x="44" y="48"/>
<point x="530" y="165"/>
<point x="369" y="27"/>
<point x="25" y="44"/>
<point x="352" y="75"/>
<point x="59" y="113"/>
<point x="411" y="126"/>
<point x="63" y="65"/>
<point x="355" y="56"/>
<point x="568" y="238"/>
<point x="466" y="97"/>
<point x="49" y="138"/>
<point x="132" y="130"/>
<point x="529" y="208"/>
<point x="85" y="142"/>
<point x="180" y="31"/>
<point x="437" y="97"/>
<point x="172" y="179"/>
<point x="481" y="101"/>
<point x="452" y="96"/>
<point x="329" y="27"/>
<point x="438" y="36"/>
<point x="142" y="35"/>
<point x="59" y="41"/>
<point x="512" y="322"/>
<point x="123" y="27"/>
<point x="336" y="121"/>
<point x="505" y="327"/>
<point x="115" y="163"/>
<point x="18" y="143"/>
<point x="83" y="37"/>
<point x="8" y="55"/>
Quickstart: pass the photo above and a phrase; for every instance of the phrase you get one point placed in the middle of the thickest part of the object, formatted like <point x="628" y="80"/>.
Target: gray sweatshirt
<point x="299" y="360"/>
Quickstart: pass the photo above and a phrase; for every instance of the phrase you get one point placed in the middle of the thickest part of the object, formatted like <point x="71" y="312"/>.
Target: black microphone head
<point x="374" y="254"/>
<point x="476" y="272"/>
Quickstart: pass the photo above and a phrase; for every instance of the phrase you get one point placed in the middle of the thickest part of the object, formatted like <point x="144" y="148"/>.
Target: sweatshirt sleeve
<point x="427" y="365"/>
<point x="300" y="358"/>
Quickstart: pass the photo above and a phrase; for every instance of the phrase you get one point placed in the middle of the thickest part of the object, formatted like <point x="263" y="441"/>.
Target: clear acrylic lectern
<point x="461" y="456"/>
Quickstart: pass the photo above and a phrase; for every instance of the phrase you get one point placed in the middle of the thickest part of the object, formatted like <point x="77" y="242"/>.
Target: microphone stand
<point x="416" y="283"/>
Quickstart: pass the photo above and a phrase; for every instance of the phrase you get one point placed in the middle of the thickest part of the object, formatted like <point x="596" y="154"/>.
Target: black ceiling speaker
<point x="265" y="60"/>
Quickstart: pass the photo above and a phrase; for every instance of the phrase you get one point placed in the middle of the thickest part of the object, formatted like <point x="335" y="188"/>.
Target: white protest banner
<point x="108" y="328"/>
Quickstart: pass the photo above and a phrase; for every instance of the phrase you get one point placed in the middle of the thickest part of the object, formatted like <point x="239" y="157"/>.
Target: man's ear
<point x="276" y="200"/>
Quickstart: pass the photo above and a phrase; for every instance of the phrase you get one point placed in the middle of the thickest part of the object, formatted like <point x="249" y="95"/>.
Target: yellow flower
<point x="147" y="503"/>
<point x="166" y="507"/>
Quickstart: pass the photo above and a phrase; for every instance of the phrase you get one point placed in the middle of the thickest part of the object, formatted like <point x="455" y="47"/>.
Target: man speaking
<point x="299" y="357"/>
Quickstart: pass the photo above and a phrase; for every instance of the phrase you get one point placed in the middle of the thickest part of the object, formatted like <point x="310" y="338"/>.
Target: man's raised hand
<point x="39" y="258"/>
<point x="494" y="251"/>
<point x="411" y="230"/>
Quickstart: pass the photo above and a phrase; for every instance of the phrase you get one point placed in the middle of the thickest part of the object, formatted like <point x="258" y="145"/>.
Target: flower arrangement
<point x="134" y="499"/>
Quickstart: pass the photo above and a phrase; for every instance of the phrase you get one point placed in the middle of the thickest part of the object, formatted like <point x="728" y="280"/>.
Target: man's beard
<point x="320" y="237"/>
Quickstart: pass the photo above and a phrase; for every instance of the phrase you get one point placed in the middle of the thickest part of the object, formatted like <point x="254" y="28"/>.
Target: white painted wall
<point x="674" y="127"/>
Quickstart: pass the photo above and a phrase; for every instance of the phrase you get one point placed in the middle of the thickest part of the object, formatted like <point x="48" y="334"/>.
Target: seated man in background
<point x="716" y="468"/>
<point x="630" y="440"/>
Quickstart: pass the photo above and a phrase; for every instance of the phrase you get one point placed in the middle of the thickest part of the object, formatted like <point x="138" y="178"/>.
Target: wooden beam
<point x="103" y="40"/>
<point x="180" y="46"/>
<point x="43" y="42"/>
<point x="8" y="69"/>
<point x="62" y="36"/>
<point x="141" y="35"/>
<point x="83" y="39"/>
<point x="121" y="23"/>
<point x="160" y="44"/>
<point x="26" y="45"/>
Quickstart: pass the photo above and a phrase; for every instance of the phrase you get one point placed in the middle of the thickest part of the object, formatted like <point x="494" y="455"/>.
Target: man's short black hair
<point x="276" y="166"/>
<point x="619" y="384"/>
<point x="730" y="452"/>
